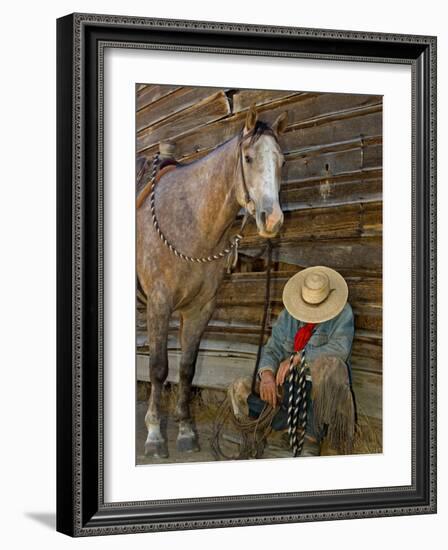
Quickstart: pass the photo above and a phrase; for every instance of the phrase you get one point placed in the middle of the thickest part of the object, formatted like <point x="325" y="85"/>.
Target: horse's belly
<point x="196" y="286"/>
<point x="182" y="284"/>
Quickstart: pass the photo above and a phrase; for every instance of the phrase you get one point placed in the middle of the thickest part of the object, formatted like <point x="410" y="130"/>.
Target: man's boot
<point x="238" y="392"/>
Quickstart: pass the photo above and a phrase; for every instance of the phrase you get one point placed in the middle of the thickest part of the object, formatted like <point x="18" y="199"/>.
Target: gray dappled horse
<point x="196" y="205"/>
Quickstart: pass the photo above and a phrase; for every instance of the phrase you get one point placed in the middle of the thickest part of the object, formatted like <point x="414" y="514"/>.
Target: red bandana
<point x="302" y="336"/>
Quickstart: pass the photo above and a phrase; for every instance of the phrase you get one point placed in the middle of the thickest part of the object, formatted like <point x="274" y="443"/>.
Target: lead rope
<point x="297" y="405"/>
<point x="266" y="312"/>
<point x="253" y="432"/>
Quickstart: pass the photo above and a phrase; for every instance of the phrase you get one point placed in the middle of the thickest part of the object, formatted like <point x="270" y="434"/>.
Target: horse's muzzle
<point x="268" y="227"/>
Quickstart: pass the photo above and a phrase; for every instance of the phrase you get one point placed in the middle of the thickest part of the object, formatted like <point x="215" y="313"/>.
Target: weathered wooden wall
<point x="332" y="198"/>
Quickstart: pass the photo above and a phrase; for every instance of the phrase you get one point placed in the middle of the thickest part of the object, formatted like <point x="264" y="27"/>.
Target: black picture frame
<point x="81" y="510"/>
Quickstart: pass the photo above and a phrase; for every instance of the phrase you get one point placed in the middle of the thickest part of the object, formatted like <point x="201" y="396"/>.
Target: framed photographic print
<point x="246" y="274"/>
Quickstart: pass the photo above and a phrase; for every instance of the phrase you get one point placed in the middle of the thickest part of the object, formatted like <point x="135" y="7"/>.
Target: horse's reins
<point x="231" y="252"/>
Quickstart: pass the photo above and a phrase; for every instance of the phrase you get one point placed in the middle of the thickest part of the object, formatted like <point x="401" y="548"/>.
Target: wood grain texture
<point x="172" y="104"/>
<point x="217" y="368"/>
<point x="149" y="93"/>
<point x="208" y="110"/>
<point x="244" y="99"/>
<point x="338" y="222"/>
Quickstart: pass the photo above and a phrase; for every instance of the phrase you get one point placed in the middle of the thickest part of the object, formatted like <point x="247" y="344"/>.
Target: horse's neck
<point x="211" y="193"/>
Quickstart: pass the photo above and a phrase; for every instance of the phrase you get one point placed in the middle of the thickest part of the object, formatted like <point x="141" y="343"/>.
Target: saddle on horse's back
<point x="166" y="163"/>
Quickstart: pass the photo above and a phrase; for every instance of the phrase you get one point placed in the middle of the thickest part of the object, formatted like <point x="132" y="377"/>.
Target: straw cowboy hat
<point x="315" y="294"/>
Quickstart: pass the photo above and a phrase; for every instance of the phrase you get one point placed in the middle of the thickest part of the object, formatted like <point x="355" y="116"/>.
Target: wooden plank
<point x="367" y="316"/>
<point x="361" y="255"/>
<point x="358" y="142"/>
<point x="367" y="357"/>
<point x="327" y="105"/>
<point x="244" y="99"/>
<point x="310" y="107"/>
<point x="169" y="105"/>
<point x="339" y="190"/>
<point x="335" y="128"/>
<point x="249" y="289"/>
<point x="246" y="329"/>
<point x="242" y="341"/>
<point x="341" y="222"/>
<point x="348" y="111"/>
<point x="216" y="370"/>
<point x="204" y="139"/>
<point x="213" y="369"/>
<point x="331" y="163"/>
<point x="368" y="393"/>
<point x="152" y="92"/>
<point x="208" y="110"/>
<point x="367" y="345"/>
<point x="368" y="364"/>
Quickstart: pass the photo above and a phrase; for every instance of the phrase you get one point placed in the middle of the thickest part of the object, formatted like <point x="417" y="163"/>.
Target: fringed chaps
<point x="333" y="404"/>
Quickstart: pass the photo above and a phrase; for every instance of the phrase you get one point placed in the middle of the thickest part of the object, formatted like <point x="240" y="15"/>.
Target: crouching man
<point x="318" y="322"/>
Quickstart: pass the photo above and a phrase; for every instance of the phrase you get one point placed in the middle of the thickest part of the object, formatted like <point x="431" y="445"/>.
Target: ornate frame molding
<point x="81" y="42"/>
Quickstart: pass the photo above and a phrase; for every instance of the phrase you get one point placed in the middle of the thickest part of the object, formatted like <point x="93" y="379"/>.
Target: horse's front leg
<point x="194" y="322"/>
<point x="158" y="322"/>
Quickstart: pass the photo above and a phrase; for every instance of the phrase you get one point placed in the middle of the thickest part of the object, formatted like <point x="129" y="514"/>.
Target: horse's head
<point x="261" y="161"/>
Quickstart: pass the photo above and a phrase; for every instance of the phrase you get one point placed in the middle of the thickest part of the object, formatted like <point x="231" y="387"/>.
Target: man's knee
<point x="328" y="361"/>
<point x="329" y="368"/>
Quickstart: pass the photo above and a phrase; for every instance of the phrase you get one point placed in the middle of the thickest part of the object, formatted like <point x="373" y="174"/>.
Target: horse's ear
<point x="280" y="123"/>
<point x="251" y="119"/>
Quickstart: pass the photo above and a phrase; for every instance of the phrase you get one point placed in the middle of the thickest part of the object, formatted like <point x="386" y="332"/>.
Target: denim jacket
<point x="333" y="337"/>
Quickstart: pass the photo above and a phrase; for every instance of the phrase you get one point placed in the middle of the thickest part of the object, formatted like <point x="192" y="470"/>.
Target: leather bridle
<point x="249" y="205"/>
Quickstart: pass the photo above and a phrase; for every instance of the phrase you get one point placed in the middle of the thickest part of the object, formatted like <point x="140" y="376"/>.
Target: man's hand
<point x="268" y="389"/>
<point x="283" y="369"/>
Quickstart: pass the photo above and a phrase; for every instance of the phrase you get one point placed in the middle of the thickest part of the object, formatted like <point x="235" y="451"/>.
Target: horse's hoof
<point x="157" y="449"/>
<point x="187" y="444"/>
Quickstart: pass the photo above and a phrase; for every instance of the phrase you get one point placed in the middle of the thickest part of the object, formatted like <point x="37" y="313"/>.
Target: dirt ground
<point x="204" y="429"/>
<point x="368" y="439"/>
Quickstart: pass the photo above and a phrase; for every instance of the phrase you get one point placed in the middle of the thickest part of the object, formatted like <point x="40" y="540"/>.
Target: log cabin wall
<point x="331" y="195"/>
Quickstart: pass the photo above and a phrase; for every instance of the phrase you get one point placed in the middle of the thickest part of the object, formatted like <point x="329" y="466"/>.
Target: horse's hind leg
<point x="158" y="321"/>
<point x="194" y="322"/>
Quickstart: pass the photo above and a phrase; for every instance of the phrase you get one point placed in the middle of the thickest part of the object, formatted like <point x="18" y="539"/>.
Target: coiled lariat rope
<point x="297" y="404"/>
<point x="231" y="252"/>
<point x="252" y="432"/>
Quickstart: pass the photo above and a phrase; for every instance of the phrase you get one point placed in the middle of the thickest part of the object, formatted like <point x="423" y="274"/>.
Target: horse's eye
<point x="284" y="162"/>
<point x="247" y="158"/>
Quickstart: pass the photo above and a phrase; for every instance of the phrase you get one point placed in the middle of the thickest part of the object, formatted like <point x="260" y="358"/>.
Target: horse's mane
<point x="261" y="128"/>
